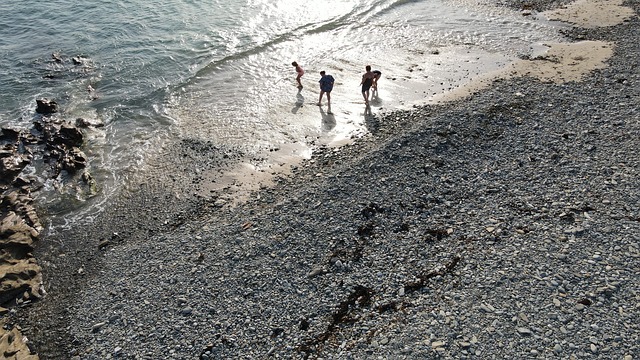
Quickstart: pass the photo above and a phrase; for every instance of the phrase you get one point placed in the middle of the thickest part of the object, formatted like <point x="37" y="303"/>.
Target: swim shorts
<point x="366" y="85"/>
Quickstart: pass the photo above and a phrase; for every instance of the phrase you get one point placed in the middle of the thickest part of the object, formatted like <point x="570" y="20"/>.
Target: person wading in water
<point x="367" y="81"/>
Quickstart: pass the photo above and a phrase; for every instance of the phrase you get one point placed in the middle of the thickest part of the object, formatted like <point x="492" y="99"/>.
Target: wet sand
<point x="406" y="85"/>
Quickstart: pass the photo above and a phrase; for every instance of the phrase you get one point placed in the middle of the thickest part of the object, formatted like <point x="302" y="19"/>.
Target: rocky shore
<point x="50" y="148"/>
<point x="503" y="225"/>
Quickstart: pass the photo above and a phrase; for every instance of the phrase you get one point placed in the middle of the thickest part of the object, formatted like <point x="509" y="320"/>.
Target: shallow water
<point x="222" y="71"/>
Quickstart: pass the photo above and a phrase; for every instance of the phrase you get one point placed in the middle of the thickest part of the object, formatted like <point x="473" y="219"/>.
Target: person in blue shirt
<point x="326" y="85"/>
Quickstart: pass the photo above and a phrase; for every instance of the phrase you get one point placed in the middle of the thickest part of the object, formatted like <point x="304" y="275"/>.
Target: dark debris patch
<point x="423" y="279"/>
<point x="360" y="297"/>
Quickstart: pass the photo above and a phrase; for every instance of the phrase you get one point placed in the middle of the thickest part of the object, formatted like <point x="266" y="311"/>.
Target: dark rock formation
<point x="46" y="106"/>
<point x="58" y="144"/>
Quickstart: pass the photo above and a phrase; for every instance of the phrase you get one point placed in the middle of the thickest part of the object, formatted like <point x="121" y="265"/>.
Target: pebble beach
<point x="505" y="224"/>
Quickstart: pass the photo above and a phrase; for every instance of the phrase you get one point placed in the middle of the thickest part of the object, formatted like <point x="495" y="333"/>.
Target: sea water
<point x="221" y="71"/>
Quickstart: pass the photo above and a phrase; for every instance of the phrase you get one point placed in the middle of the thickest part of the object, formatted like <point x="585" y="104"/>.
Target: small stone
<point x="524" y="331"/>
<point x="523" y="317"/>
<point x="96" y="327"/>
<point x="464" y="344"/>
<point x="594" y="349"/>
<point x="556" y="302"/>
<point x="487" y="308"/>
<point x="316" y="271"/>
<point x="186" y="311"/>
<point x="557" y="349"/>
<point x="579" y="307"/>
<point x="437" y="344"/>
<point x="103" y="244"/>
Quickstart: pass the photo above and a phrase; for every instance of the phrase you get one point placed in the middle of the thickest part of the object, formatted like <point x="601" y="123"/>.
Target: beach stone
<point x="524" y="331"/>
<point x="487" y="308"/>
<point x="96" y="327"/>
<point x="186" y="311"/>
<point x="557" y="348"/>
<point x="319" y="270"/>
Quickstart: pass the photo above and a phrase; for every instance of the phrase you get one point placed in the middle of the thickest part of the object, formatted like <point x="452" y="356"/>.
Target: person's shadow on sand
<point x="299" y="102"/>
<point x="375" y="99"/>
<point x="328" y="119"/>
<point x="370" y="120"/>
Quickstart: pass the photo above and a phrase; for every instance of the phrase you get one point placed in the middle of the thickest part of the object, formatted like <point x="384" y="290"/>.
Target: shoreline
<point x="551" y="61"/>
<point x="295" y="253"/>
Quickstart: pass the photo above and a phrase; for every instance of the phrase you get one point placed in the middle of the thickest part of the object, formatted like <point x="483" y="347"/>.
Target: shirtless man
<point x="367" y="81"/>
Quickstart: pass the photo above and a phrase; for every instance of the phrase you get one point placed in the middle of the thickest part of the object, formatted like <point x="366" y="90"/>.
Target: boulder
<point x="13" y="345"/>
<point x="74" y="160"/>
<point x="68" y="135"/>
<point x="45" y="106"/>
<point x="56" y="57"/>
<point x="9" y="135"/>
<point x="11" y="165"/>
<point x="84" y="123"/>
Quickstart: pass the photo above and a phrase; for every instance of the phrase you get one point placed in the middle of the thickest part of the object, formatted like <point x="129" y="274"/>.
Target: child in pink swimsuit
<point x="300" y="73"/>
